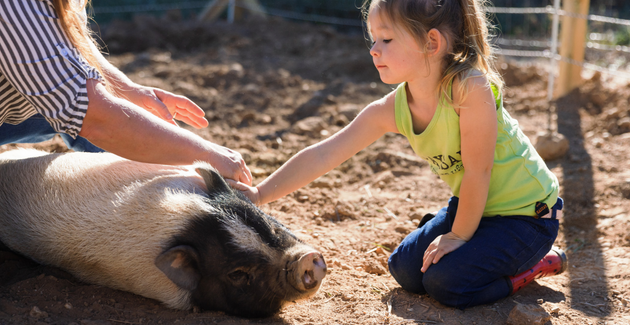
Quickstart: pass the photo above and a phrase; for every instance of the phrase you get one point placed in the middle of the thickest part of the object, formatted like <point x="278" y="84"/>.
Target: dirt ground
<point x="272" y="88"/>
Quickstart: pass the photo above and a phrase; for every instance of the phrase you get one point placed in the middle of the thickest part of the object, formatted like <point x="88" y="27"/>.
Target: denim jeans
<point x="37" y="129"/>
<point x="477" y="272"/>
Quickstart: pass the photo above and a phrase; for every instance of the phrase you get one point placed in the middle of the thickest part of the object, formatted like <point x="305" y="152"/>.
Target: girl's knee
<point x="445" y="287"/>
<point x="404" y="272"/>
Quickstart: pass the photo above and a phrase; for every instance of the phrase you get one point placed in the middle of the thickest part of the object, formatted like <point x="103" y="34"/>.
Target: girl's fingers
<point x="437" y="256"/>
<point x="428" y="258"/>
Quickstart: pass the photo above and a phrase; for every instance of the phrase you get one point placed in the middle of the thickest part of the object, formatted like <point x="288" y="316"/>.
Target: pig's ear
<point x="214" y="182"/>
<point x="180" y="264"/>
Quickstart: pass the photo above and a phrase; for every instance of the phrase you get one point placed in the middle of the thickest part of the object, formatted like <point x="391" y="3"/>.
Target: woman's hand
<point x="229" y="164"/>
<point x="441" y="246"/>
<point x="166" y="105"/>
<point x="250" y="192"/>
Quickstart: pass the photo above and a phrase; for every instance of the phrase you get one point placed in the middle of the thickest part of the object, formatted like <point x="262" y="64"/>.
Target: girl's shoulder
<point x="470" y="78"/>
<point x="467" y="82"/>
<point x="382" y="112"/>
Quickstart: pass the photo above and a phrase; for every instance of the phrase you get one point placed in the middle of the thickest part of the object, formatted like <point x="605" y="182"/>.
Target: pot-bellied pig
<point x="179" y="235"/>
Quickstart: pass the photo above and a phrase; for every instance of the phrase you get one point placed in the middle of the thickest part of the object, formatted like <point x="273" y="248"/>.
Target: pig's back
<point x="104" y="220"/>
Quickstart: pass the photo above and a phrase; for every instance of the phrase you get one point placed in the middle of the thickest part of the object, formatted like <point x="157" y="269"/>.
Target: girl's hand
<point x="167" y="106"/>
<point x="250" y="192"/>
<point x="441" y="246"/>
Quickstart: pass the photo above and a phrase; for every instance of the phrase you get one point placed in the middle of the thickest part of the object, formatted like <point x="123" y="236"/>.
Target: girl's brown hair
<point x="463" y="24"/>
<point x="71" y="18"/>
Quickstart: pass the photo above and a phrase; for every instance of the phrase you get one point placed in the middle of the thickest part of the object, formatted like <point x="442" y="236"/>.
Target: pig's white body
<point x="117" y="207"/>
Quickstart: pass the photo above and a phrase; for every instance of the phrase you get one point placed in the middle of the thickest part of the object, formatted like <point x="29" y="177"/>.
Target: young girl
<point x="496" y="234"/>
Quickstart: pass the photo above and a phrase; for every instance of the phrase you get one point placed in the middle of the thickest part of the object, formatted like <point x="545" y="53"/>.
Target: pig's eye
<point x="239" y="277"/>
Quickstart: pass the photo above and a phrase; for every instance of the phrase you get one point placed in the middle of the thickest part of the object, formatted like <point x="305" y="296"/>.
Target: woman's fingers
<point x="183" y="108"/>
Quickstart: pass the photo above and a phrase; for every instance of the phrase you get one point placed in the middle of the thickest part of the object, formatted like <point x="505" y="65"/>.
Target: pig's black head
<point x="239" y="259"/>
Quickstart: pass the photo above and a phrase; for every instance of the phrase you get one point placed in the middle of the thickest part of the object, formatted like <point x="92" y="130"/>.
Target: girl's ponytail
<point x="472" y="50"/>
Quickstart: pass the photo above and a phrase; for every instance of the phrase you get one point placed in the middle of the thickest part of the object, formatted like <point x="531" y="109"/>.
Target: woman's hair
<point x="463" y="24"/>
<point x="74" y="23"/>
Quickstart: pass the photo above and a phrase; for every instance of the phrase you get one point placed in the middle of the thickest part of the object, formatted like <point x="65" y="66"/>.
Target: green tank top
<point x="519" y="178"/>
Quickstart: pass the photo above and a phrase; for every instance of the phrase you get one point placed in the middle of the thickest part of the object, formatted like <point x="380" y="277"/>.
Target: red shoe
<point x="555" y="262"/>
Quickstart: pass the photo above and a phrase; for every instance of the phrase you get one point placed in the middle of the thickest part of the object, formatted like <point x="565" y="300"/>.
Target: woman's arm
<point x="478" y="129"/>
<point x="312" y="162"/>
<point x="127" y="130"/>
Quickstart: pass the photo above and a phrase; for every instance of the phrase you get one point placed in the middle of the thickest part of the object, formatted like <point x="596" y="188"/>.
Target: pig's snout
<point x="311" y="270"/>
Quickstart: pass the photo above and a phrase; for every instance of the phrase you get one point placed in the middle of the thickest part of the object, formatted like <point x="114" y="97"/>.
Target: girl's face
<point x="396" y="54"/>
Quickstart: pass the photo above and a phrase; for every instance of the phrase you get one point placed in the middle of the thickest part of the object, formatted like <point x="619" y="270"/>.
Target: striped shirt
<point x="40" y="70"/>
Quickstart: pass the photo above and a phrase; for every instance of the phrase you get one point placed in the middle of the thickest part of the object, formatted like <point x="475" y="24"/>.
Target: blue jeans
<point x="37" y="129"/>
<point x="477" y="272"/>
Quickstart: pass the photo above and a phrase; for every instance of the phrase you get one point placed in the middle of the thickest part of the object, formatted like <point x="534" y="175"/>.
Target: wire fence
<point x="340" y="13"/>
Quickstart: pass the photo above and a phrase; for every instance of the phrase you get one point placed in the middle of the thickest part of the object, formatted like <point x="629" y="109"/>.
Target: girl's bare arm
<point x="478" y="129"/>
<point x="310" y="163"/>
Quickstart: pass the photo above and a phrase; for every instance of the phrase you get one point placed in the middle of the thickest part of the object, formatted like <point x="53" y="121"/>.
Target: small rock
<point x="309" y="125"/>
<point x="528" y="315"/>
<point x="551" y="146"/>
<point x="264" y="119"/>
<point x="345" y="210"/>
<point x="349" y="111"/>
<point x="374" y="267"/>
<point x="402" y="229"/>
<point x="416" y="215"/>
<point x="624" y="123"/>
<point x="347" y="297"/>
<point x="345" y="266"/>
<point x="37" y="313"/>
<point x="341" y="120"/>
<point x="269" y="158"/>
<point x="258" y="172"/>
<point x="68" y="305"/>
<point x="322" y="183"/>
<point x="385" y="177"/>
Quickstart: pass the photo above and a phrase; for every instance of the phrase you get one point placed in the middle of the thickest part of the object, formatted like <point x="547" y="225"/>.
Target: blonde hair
<point x="70" y="14"/>
<point x="463" y="24"/>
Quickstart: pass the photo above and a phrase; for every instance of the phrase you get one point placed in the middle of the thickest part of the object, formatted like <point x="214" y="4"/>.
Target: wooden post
<point x="573" y="38"/>
<point x="217" y="7"/>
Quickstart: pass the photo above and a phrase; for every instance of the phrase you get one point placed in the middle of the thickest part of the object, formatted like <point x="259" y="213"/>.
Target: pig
<point x="177" y="234"/>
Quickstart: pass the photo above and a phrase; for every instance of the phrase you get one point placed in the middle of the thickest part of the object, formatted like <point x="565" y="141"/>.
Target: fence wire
<point x="549" y="10"/>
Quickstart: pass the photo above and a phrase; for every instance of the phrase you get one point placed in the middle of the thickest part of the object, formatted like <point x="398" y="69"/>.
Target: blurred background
<point x="345" y="15"/>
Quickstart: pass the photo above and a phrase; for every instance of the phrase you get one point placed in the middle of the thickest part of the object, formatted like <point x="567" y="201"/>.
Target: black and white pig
<point x="179" y="235"/>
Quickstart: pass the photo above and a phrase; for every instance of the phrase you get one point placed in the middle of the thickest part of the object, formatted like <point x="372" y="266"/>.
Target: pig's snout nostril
<point x="315" y="271"/>
<point x="309" y="280"/>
